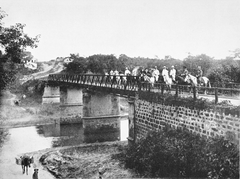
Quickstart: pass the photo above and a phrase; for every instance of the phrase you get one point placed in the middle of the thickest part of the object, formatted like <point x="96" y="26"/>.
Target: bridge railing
<point x="133" y="83"/>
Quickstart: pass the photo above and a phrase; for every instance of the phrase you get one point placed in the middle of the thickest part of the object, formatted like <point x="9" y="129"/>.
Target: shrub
<point x="179" y="153"/>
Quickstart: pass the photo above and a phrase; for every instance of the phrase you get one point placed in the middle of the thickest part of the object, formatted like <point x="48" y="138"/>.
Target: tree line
<point x="218" y="71"/>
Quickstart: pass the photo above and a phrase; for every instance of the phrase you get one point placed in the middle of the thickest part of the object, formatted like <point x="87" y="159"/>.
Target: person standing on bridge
<point x="127" y="72"/>
<point x="111" y="73"/>
<point x="116" y="76"/>
<point x="165" y="73"/>
<point x="173" y="73"/>
<point x="156" y="74"/>
<point x="199" y="74"/>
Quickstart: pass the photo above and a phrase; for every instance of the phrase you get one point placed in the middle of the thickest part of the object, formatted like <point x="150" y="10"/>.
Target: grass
<point x="87" y="161"/>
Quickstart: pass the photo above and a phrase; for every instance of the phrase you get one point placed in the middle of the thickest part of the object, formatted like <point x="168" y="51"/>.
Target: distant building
<point x="59" y="59"/>
<point x="67" y="60"/>
<point x="32" y="64"/>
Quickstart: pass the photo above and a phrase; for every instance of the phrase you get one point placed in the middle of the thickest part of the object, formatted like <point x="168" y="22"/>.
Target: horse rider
<point x="147" y="72"/>
<point x="185" y="72"/>
<point x="165" y="73"/>
<point x="199" y="74"/>
<point x="173" y="73"/>
<point x="156" y="74"/>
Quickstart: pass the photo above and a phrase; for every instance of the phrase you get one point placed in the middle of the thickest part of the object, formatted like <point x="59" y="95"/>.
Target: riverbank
<point x="84" y="161"/>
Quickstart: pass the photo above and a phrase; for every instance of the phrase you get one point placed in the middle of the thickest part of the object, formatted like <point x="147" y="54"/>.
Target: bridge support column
<point x="131" y="120"/>
<point x="101" y="115"/>
<point x="51" y="95"/>
<point x="71" y="105"/>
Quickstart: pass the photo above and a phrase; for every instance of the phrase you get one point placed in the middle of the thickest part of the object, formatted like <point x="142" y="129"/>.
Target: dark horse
<point x="25" y="162"/>
<point x="181" y="81"/>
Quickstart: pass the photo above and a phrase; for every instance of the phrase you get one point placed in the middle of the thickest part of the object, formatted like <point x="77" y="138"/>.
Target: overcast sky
<point x="145" y="28"/>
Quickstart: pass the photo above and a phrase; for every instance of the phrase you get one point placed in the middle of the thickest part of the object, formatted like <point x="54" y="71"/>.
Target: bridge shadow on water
<point x="73" y="134"/>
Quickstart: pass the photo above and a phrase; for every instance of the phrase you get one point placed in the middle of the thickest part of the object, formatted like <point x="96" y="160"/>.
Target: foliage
<point x="192" y="62"/>
<point x="13" y="42"/>
<point x="98" y="64"/>
<point x="189" y="102"/>
<point x="170" y="100"/>
<point x="180" y="153"/>
<point x="218" y="71"/>
<point x="33" y="89"/>
<point x="3" y="135"/>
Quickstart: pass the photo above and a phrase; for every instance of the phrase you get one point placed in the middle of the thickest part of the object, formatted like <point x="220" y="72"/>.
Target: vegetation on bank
<point x="191" y="103"/>
<point x="180" y="153"/>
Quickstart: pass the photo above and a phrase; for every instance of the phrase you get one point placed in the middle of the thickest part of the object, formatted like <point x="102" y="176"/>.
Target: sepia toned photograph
<point x="105" y="89"/>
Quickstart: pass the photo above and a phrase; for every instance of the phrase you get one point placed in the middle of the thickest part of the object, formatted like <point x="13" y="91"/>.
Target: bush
<point x="179" y="153"/>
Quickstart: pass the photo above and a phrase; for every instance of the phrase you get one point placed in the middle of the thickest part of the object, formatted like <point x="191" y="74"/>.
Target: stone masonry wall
<point x="153" y="116"/>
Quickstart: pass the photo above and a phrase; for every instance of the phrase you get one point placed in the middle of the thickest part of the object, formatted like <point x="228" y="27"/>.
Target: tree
<point x="192" y="62"/>
<point x="13" y="42"/>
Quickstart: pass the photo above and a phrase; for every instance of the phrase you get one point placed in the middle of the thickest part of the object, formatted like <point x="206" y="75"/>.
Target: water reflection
<point x="73" y="134"/>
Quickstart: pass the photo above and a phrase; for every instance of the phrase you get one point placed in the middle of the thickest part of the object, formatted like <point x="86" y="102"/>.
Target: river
<point x="34" y="138"/>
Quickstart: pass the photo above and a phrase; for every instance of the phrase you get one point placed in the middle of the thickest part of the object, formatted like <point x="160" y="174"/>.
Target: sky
<point x="136" y="28"/>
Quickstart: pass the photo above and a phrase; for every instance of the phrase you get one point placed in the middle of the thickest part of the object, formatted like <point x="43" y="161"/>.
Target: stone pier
<point x="101" y="113"/>
<point x="71" y="105"/>
<point x="51" y="95"/>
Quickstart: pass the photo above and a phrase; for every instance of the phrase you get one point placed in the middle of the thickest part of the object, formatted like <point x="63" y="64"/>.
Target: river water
<point x="34" y="138"/>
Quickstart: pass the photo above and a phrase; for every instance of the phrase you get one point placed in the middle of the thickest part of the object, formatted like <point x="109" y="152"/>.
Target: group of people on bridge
<point x="153" y="75"/>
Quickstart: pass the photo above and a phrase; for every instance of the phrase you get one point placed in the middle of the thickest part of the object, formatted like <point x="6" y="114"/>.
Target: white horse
<point x="149" y="79"/>
<point x="191" y="80"/>
<point x="204" y="81"/>
<point x="136" y="71"/>
<point x="168" y="81"/>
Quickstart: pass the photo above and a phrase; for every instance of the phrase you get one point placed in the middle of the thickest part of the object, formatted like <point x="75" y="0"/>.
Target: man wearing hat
<point x="164" y="73"/>
<point x="173" y="73"/>
<point x="156" y="74"/>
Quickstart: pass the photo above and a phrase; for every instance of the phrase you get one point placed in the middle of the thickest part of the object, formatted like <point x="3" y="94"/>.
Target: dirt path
<point x="47" y="69"/>
<point x="15" y="145"/>
<point x="21" y="139"/>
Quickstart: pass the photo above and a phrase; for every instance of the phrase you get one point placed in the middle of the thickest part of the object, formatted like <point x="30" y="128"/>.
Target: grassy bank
<point x="86" y="161"/>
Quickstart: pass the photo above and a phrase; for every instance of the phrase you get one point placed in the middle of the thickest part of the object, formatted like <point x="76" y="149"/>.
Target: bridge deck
<point x="130" y="85"/>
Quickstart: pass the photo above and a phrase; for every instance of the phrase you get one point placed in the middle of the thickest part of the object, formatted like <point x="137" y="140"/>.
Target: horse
<point x="191" y="80"/>
<point x="149" y="79"/>
<point x="168" y="81"/>
<point x="183" y="82"/>
<point x="148" y="76"/>
<point x="137" y="76"/>
<point x="204" y="81"/>
<point x="25" y="162"/>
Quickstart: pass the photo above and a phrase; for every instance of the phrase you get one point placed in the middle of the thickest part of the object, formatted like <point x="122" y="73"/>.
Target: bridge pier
<point x="101" y="113"/>
<point x="51" y="95"/>
<point x="71" y="105"/>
